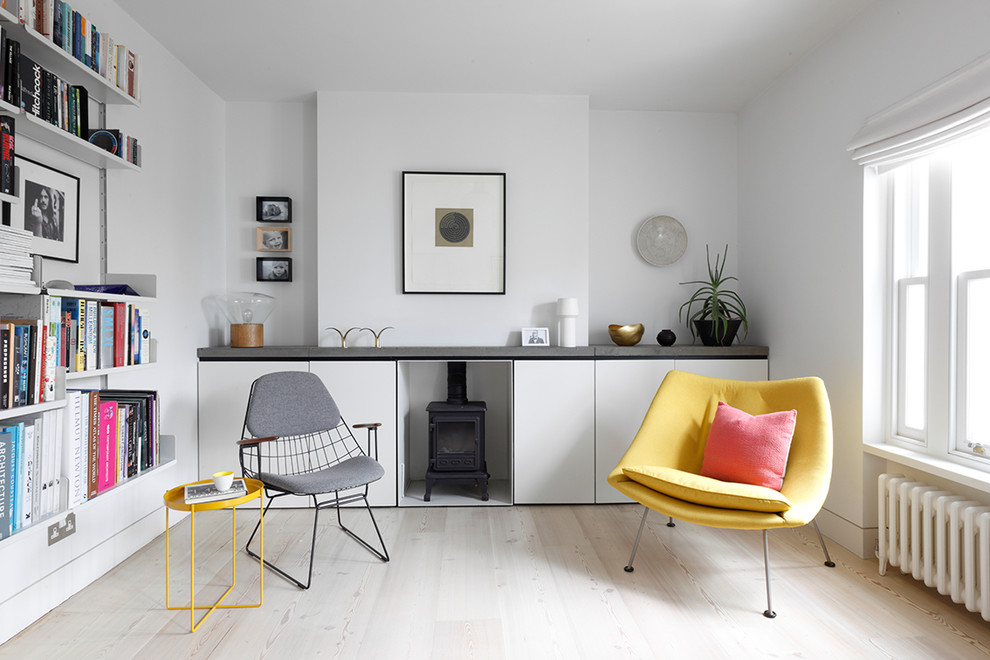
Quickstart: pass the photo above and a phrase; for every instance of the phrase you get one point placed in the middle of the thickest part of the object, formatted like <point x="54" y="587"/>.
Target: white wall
<point x="801" y="210"/>
<point x="366" y="141"/>
<point x="163" y="220"/>
<point x="657" y="163"/>
<point x="271" y="150"/>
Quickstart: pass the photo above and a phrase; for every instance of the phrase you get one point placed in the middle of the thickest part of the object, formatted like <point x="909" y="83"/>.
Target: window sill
<point x="960" y="474"/>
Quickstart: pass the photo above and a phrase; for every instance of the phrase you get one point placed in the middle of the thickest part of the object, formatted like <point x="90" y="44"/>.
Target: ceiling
<point x="686" y="55"/>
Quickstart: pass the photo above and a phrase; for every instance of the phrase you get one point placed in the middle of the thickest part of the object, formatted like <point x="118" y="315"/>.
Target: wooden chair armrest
<point x="372" y="441"/>
<point x="254" y="441"/>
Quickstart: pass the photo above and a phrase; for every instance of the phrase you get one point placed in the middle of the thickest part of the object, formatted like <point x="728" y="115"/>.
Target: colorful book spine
<point x="7" y="154"/>
<point x="106" y="335"/>
<point x="5" y="365"/>
<point x="119" y="334"/>
<point x="92" y="400"/>
<point x="108" y="445"/>
<point x="12" y="506"/>
<point x="6" y="450"/>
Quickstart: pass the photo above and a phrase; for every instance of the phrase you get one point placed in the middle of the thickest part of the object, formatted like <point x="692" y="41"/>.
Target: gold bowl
<point x="626" y="335"/>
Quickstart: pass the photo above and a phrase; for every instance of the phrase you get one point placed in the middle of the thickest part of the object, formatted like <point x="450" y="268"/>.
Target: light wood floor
<point x="511" y="582"/>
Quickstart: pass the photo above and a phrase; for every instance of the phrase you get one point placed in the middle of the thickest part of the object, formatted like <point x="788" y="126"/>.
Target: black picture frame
<point x="273" y="209"/>
<point x="273" y="269"/>
<point x="453" y="232"/>
<point x="49" y="209"/>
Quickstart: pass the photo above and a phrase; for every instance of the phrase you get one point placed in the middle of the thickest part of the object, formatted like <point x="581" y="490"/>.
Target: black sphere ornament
<point x="666" y="337"/>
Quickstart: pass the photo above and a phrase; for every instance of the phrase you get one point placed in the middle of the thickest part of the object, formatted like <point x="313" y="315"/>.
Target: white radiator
<point x="936" y="536"/>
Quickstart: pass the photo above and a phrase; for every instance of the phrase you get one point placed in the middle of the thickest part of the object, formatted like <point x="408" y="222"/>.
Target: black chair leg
<point x="383" y="555"/>
<point x="312" y="549"/>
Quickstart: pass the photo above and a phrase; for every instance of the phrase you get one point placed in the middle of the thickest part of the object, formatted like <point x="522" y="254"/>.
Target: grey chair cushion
<point x="351" y="473"/>
<point x="290" y="403"/>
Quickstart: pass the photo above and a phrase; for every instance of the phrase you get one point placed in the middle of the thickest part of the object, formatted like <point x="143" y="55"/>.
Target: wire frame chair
<point x="296" y="442"/>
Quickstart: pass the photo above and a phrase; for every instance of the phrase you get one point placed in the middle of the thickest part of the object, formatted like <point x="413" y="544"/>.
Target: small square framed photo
<point x="274" y="269"/>
<point x="535" y="337"/>
<point x="274" y="209"/>
<point x="274" y="239"/>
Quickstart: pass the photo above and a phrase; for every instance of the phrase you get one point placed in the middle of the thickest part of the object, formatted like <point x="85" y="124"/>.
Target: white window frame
<point x="962" y="375"/>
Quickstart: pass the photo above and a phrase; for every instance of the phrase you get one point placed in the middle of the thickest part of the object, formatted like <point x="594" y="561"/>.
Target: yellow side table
<point x="175" y="499"/>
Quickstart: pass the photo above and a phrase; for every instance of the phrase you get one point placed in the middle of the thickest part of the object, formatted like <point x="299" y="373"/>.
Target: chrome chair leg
<point x="821" y="541"/>
<point x="769" y="613"/>
<point x="629" y="567"/>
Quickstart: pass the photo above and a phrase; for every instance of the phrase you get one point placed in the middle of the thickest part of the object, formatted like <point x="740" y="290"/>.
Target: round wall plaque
<point x="661" y="240"/>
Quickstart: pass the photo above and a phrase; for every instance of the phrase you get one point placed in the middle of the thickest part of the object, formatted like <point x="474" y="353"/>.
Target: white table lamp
<point x="567" y="313"/>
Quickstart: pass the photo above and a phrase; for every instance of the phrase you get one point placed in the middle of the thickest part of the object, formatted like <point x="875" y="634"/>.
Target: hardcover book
<point x="108" y="445"/>
<point x="106" y="335"/>
<point x="5" y="332"/>
<point x="7" y="154"/>
<point x="32" y="86"/>
<point x="201" y="493"/>
<point x="6" y="449"/>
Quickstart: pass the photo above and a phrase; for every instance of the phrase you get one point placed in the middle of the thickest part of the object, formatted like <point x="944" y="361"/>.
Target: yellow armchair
<point x="670" y="444"/>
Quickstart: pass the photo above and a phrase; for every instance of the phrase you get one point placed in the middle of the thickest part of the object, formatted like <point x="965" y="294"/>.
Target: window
<point x="937" y="213"/>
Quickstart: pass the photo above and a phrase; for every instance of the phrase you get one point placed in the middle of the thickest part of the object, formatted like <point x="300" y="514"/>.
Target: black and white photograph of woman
<point x="44" y="211"/>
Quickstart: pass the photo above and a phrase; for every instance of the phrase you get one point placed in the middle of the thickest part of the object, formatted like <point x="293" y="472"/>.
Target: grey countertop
<point x="599" y="352"/>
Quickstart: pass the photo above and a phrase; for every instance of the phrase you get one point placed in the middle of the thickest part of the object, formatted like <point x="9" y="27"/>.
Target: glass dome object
<point x="247" y="313"/>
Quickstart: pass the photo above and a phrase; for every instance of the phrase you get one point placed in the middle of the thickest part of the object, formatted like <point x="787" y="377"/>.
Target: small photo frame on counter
<point x="535" y="337"/>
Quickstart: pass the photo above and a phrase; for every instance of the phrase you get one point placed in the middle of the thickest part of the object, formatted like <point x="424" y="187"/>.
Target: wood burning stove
<point x="457" y="436"/>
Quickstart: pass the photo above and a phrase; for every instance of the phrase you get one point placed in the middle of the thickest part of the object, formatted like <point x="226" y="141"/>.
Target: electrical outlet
<point x="58" y="531"/>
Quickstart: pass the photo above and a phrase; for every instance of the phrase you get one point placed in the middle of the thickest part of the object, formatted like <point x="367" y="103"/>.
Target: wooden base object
<point x="247" y="335"/>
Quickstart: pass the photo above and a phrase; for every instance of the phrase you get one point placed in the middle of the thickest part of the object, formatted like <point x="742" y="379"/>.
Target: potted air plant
<point x="720" y="311"/>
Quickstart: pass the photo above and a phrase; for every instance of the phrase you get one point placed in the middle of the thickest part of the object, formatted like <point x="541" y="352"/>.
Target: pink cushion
<point x="748" y="449"/>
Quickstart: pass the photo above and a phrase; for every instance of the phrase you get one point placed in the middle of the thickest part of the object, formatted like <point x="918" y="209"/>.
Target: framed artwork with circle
<point x="453" y="232"/>
<point x="273" y="239"/>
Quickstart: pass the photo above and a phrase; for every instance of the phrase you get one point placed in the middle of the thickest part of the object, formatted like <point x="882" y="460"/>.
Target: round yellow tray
<point x="175" y="498"/>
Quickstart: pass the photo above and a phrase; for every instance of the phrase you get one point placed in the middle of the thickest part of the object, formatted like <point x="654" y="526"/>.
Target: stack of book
<point x="26" y="84"/>
<point x="30" y="468"/>
<point x="16" y="263"/>
<point x="71" y="31"/>
<point x="108" y="437"/>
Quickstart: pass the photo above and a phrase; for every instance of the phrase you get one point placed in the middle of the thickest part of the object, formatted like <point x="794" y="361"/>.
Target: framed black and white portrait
<point x="274" y="269"/>
<point x="274" y="239"/>
<point x="535" y="336"/>
<point x="273" y="209"/>
<point x="49" y="209"/>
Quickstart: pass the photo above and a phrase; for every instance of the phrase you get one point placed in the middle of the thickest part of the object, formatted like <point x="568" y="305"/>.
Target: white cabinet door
<point x="624" y="390"/>
<point x="223" y="396"/>
<point x="553" y="415"/>
<point x="743" y="369"/>
<point x="365" y="391"/>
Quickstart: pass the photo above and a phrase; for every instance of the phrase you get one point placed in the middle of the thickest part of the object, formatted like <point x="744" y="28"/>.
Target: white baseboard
<point x="858" y="540"/>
